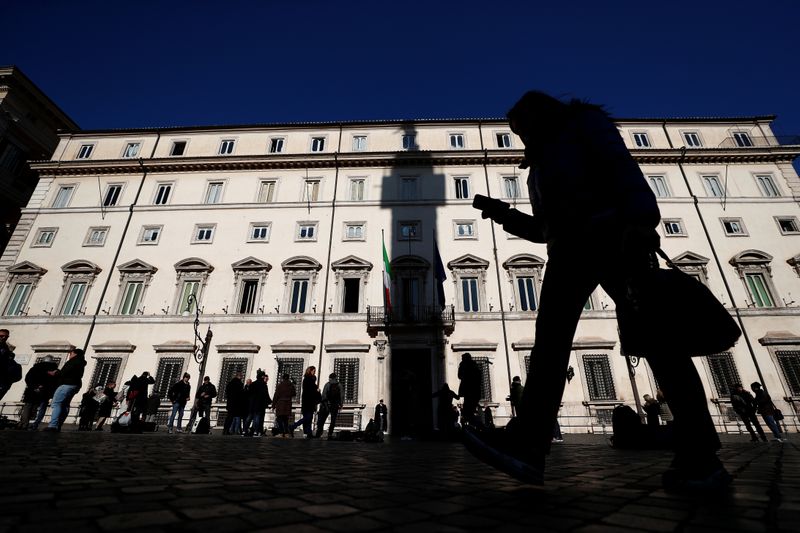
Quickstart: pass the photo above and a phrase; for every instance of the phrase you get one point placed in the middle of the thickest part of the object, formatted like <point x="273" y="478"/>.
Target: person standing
<point x="8" y="366"/>
<point x="653" y="410"/>
<point x="202" y="400"/>
<point x="137" y="395"/>
<point x="234" y="391"/>
<point x="597" y="214"/>
<point x="88" y="408"/>
<point x="282" y="403"/>
<point x="40" y="385"/>
<point x="515" y="397"/>
<point x="309" y="399"/>
<point x="69" y="380"/>
<point x="259" y="401"/>
<point x="106" y="405"/>
<point x="178" y="394"/>
<point x="745" y="406"/>
<point x="767" y="410"/>
<point x="331" y="404"/>
<point x="446" y="417"/>
<point x="470" y="387"/>
<point x="381" y="416"/>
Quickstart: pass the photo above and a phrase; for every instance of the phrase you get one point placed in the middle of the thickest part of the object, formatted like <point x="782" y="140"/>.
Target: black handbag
<point x="667" y="311"/>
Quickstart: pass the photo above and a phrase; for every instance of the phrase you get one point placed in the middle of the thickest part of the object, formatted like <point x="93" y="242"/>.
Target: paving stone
<point x="137" y="520"/>
<point x="328" y="511"/>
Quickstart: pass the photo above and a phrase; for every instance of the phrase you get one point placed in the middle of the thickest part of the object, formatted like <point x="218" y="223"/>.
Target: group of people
<point x="746" y="406"/>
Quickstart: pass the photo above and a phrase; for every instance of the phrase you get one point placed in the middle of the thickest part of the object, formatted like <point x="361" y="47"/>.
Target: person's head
<point x="381" y="401"/>
<point x="332" y="376"/>
<point x="145" y="374"/>
<point x="647" y="397"/>
<point x="4" y="335"/>
<point x="111" y="384"/>
<point x="99" y="388"/>
<point x="238" y="375"/>
<point x="310" y="371"/>
<point x="466" y="356"/>
<point x="535" y="114"/>
<point x="266" y="377"/>
<point x="47" y="359"/>
<point x="738" y="387"/>
<point x="206" y="380"/>
<point x="755" y="386"/>
<point x="75" y="352"/>
<point x="248" y="381"/>
<point x="516" y="379"/>
<point x="285" y="377"/>
<point x="186" y="377"/>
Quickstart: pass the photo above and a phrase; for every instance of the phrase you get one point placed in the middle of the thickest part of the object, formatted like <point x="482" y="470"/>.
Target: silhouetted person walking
<point x="470" y="387"/>
<point x="766" y="409"/>
<point x="745" y="406"/>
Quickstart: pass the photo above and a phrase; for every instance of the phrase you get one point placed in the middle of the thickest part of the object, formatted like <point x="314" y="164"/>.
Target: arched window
<point x="754" y="270"/>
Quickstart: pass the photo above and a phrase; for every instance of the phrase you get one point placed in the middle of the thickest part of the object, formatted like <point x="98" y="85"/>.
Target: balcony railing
<point x="760" y="141"/>
<point x="382" y="317"/>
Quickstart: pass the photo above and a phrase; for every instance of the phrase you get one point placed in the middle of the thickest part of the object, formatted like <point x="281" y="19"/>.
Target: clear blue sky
<point x="116" y="64"/>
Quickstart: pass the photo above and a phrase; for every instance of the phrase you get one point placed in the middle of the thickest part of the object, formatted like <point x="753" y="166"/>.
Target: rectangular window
<point x="203" y="234"/>
<point x="724" y="373"/>
<point x="112" y="195"/>
<point x="318" y="144"/>
<point x="789" y="361"/>
<point x="733" y="226"/>
<point x="641" y="140"/>
<point x="106" y="370"/>
<point x="767" y="186"/>
<point x="311" y="190"/>
<point x="462" y="188"/>
<point x="73" y="303"/>
<point x="759" y="292"/>
<point x="526" y="292"/>
<point x="354" y="232"/>
<point x="511" y="187"/>
<point x="352" y="293"/>
<point x="659" y="186"/>
<point x="162" y="193"/>
<point x="131" y="150"/>
<point x="503" y="140"/>
<point x="63" y="196"/>
<point x="276" y="145"/>
<point x="266" y="191"/>
<point x="347" y="372"/>
<point x="359" y="143"/>
<point x="259" y="232"/>
<point x="742" y="139"/>
<point x="457" y="141"/>
<point x="247" y="298"/>
<point x="692" y="139"/>
<point x="214" y="192"/>
<point x="44" y="237"/>
<point x="85" y="151"/>
<point x="307" y="232"/>
<point x="673" y="227"/>
<point x="299" y="296"/>
<point x="589" y="305"/>
<point x="357" y="189"/>
<point x="19" y="299"/>
<point x="408" y="188"/>
<point x="713" y="187"/>
<point x="599" y="380"/>
<point x="150" y="235"/>
<point x="465" y="229"/>
<point x="226" y="147"/>
<point x="189" y="288"/>
<point x="469" y="295"/>
<point x="486" y="377"/>
<point x="230" y="366"/>
<point x="96" y="236"/>
<point x="170" y="370"/>
<point x="788" y="225"/>
<point x="409" y="142"/>
<point x="178" y="148"/>
<point x="408" y="231"/>
<point x="131" y="297"/>
<point x="294" y="367"/>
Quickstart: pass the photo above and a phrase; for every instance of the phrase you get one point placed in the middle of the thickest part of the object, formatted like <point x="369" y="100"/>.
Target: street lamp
<point x="201" y="349"/>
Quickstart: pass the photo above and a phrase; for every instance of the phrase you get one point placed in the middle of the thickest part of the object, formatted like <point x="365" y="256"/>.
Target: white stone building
<point x="277" y="230"/>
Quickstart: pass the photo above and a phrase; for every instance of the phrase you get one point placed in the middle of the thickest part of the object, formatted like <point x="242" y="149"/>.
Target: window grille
<point x="486" y="381"/>
<point x="293" y="367"/>
<point x="230" y="366"/>
<point x="599" y="379"/>
<point x="527" y="364"/>
<point x="106" y="369"/>
<point x="724" y="373"/>
<point x="347" y="373"/>
<point x="789" y="361"/>
<point x="56" y="359"/>
<point x="604" y="417"/>
<point x="169" y="371"/>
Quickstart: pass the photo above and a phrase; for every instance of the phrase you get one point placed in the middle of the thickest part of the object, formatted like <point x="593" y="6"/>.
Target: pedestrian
<point x="745" y="406"/>
<point x="488" y="419"/>
<point x="153" y="404"/>
<point x="106" y="405"/>
<point x="282" y="403"/>
<point x="597" y="214"/>
<point x="515" y="397"/>
<point x="381" y="416"/>
<point x="652" y="409"/>
<point x="665" y="412"/>
<point x="259" y="401"/>
<point x="234" y="391"/>
<point x="558" y="438"/>
<point x="310" y="397"/>
<point x="179" y="393"/>
<point x="137" y="395"/>
<point x="767" y="410"/>
<point x="331" y="405"/>
<point x="10" y="370"/>
<point x="203" y="398"/>
<point x="470" y="387"/>
<point x="40" y="385"/>
<point x="88" y="408"/>
<point x="68" y="384"/>
<point x="447" y="420"/>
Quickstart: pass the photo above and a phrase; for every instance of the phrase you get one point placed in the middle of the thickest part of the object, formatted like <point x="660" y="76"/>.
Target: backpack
<point x="335" y="395"/>
<point x="14" y="372"/>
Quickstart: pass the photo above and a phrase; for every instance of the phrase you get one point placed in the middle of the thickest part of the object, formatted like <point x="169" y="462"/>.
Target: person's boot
<point x="507" y="449"/>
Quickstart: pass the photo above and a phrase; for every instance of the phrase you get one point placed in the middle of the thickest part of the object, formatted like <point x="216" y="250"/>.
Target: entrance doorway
<point x="411" y="404"/>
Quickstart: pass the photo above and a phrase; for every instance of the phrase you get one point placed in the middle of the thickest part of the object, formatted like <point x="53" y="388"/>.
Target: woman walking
<point x="309" y="400"/>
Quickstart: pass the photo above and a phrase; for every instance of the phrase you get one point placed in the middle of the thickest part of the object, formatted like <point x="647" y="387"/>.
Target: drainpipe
<point x="119" y="246"/>
<point x="496" y="261"/>
<point x="330" y="249"/>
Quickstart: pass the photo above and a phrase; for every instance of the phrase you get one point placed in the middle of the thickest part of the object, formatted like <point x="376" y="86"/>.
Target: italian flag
<point x="387" y="278"/>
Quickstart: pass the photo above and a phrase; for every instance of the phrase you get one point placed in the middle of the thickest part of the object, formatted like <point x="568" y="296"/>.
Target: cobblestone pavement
<point x="158" y="482"/>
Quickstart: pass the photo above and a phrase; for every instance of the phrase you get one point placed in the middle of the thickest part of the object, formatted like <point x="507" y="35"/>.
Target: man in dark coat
<point x="381" y="416"/>
<point x="234" y="391"/>
<point x="259" y="401"/>
<point x="41" y="383"/>
<point x="137" y="395"/>
<point x="178" y="394"/>
<point x="205" y="395"/>
<point x="69" y="380"/>
<point x="470" y="388"/>
<point x="6" y="363"/>
<point x="745" y="406"/>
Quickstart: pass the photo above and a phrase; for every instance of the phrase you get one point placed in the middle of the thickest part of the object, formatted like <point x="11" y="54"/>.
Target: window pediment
<point x="81" y="266"/>
<point x="193" y="264"/>
<point x="468" y="261"/>
<point x="251" y="263"/>
<point x="351" y="262"/>
<point x="410" y="262"/>
<point x="690" y="259"/>
<point x="751" y="257"/>
<point x="301" y="262"/>
<point x="26" y="268"/>
<point x="523" y="261"/>
<point x="137" y="266"/>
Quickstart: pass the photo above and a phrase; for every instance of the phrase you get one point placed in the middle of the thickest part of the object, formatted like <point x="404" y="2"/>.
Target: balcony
<point x="397" y="318"/>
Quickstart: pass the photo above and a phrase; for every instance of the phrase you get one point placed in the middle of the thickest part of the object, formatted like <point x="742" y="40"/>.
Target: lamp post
<point x="201" y="349"/>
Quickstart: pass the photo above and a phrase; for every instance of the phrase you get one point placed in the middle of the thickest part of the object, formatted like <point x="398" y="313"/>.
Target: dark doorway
<point x="411" y="408"/>
<point x="351" y="296"/>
